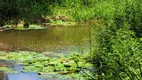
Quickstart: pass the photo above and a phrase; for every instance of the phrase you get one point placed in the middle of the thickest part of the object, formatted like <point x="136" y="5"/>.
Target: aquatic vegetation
<point x="36" y="27"/>
<point x="63" y="77"/>
<point x="30" y="69"/>
<point x="6" y="69"/>
<point x="22" y="27"/>
<point x="38" y="62"/>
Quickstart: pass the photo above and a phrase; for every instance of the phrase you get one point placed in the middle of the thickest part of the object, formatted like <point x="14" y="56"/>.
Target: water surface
<point x="24" y="76"/>
<point x="57" y="38"/>
<point x="53" y="39"/>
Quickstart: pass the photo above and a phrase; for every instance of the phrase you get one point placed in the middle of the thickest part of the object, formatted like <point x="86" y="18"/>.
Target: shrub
<point x="117" y="48"/>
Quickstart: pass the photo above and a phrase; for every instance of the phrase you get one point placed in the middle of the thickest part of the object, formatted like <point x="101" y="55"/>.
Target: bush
<point x="26" y="25"/>
<point x="117" y="47"/>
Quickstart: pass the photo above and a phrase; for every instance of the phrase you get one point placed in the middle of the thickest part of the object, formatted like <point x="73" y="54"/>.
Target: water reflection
<point x="16" y="76"/>
<point x="51" y="39"/>
<point x="24" y="76"/>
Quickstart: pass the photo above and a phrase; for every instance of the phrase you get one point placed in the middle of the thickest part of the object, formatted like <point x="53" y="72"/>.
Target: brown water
<point x="55" y="39"/>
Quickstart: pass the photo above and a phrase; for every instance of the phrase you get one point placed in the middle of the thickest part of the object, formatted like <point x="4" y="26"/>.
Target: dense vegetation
<point x="117" y="45"/>
<point x="75" y="9"/>
<point x="117" y="54"/>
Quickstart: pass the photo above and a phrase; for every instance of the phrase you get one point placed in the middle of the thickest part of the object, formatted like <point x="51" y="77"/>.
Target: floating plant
<point x="43" y="64"/>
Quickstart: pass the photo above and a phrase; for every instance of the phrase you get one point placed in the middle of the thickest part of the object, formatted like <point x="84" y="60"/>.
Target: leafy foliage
<point x="117" y="47"/>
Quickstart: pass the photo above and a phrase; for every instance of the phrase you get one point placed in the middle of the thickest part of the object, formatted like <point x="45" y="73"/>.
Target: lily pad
<point x="38" y="62"/>
<point x="38" y="65"/>
<point x="48" y="69"/>
<point x="30" y="69"/>
<point x="71" y="63"/>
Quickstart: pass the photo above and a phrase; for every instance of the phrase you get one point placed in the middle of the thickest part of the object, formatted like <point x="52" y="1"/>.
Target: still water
<point x="54" y="39"/>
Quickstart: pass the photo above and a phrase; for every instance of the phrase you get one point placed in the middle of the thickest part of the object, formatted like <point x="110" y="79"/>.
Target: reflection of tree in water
<point x="3" y="75"/>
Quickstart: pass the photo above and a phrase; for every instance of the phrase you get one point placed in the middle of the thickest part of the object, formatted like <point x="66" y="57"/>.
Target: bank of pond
<point x="47" y="65"/>
<point x="22" y="25"/>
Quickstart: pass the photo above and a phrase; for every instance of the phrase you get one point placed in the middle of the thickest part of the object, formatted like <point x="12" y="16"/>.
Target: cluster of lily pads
<point x="47" y="63"/>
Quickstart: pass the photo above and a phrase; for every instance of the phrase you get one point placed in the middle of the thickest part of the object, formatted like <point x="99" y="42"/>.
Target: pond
<point x="19" y="75"/>
<point x="57" y="39"/>
<point x="54" y="39"/>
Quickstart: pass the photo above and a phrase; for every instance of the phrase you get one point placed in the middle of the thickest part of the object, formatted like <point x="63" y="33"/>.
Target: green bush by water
<point x="117" y="47"/>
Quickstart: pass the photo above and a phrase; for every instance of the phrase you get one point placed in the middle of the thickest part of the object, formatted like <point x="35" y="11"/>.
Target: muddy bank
<point x="3" y="75"/>
<point x="9" y="64"/>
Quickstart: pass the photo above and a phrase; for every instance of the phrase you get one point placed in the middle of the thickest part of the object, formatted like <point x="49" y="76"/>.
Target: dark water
<point x="52" y="39"/>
